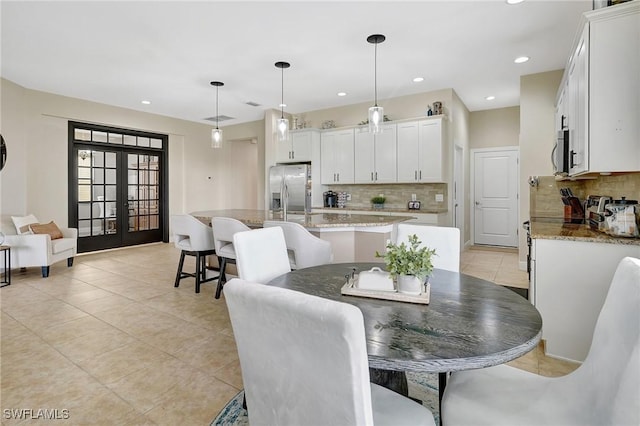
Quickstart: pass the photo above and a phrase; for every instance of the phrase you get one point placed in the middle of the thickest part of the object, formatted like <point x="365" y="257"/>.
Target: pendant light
<point x="376" y="113"/>
<point x="283" y="123"/>
<point x="216" y="134"/>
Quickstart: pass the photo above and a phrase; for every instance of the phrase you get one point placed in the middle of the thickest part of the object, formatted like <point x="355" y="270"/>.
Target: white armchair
<point x="29" y="250"/>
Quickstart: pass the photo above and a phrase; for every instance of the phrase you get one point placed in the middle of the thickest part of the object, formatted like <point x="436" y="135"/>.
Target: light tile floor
<point x="111" y="341"/>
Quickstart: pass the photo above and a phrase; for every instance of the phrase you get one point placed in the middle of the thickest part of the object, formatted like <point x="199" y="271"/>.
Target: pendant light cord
<point x="217" y="115"/>
<point x="375" y="73"/>
<point x="282" y="93"/>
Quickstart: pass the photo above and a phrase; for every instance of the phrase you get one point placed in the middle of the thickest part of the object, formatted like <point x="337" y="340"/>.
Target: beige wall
<point x="537" y="135"/>
<point x="410" y="106"/>
<point x="35" y="178"/>
<point x="495" y="128"/>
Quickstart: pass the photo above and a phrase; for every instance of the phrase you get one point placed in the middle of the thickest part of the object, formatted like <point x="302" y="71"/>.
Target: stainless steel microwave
<point x="560" y="154"/>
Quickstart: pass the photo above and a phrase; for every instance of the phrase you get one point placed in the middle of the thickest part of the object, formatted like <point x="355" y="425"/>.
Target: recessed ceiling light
<point x="282" y="105"/>
<point x="342" y="93"/>
<point x="146" y="102"/>
<point x="521" y="59"/>
<point x="514" y="1"/>
<point x="418" y="79"/>
<point x="490" y="98"/>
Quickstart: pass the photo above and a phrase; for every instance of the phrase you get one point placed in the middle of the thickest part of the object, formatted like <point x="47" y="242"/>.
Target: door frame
<point x="472" y="189"/>
<point x="72" y="173"/>
<point x="459" y="220"/>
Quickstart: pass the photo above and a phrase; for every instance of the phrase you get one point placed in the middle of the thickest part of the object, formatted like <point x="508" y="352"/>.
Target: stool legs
<point x="180" y="265"/>
<point x="222" y="261"/>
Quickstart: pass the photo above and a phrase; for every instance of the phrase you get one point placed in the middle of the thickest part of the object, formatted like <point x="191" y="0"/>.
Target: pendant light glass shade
<point x="216" y="138"/>
<point x="376" y="113"/>
<point x="216" y="134"/>
<point x="282" y="127"/>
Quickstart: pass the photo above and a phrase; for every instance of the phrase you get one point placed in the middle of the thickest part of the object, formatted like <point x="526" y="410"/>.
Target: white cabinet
<point x="336" y="156"/>
<point x="602" y="95"/>
<point x="420" y="151"/>
<point x="375" y="155"/>
<point x="570" y="280"/>
<point x="299" y="147"/>
<point x="614" y="90"/>
<point x="577" y="108"/>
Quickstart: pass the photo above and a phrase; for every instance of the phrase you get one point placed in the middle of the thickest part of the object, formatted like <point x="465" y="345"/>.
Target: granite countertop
<point x="255" y="218"/>
<point x="385" y="209"/>
<point x="556" y="229"/>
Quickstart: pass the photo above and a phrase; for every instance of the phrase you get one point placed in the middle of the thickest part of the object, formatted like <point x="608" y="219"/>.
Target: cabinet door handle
<point x="372" y="176"/>
<point x="293" y="155"/>
<point x="415" y="175"/>
<point x="420" y="174"/>
<point x="338" y="177"/>
<point x="572" y="163"/>
<point x="376" y="176"/>
<point x="334" y="177"/>
<point x="562" y="125"/>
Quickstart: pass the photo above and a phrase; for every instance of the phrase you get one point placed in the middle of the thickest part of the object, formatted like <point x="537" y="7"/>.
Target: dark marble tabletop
<point x="469" y="322"/>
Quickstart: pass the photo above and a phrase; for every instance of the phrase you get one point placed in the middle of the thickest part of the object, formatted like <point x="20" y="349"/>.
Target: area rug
<point x="422" y="386"/>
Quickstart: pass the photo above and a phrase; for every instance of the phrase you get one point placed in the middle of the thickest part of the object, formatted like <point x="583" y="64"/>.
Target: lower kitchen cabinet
<point x="569" y="283"/>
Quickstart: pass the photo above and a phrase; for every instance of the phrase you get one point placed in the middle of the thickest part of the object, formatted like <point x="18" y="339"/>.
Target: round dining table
<point x="469" y="322"/>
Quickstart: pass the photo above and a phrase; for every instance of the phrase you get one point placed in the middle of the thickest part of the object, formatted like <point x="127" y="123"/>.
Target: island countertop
<point x="255" y="218"/>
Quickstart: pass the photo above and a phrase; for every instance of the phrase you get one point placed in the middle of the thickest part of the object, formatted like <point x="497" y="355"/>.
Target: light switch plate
<point x="439" y="198"/>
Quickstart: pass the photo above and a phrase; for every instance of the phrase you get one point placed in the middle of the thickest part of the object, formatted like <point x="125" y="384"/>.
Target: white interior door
<point x="495" y="183"/>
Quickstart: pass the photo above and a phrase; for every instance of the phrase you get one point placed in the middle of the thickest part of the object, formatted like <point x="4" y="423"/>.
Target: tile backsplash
<point x="545" y="199"/>
<point x="397" y="195"/>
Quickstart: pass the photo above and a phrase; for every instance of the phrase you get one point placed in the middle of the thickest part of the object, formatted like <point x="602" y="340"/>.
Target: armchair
<point x="39" y="249"/>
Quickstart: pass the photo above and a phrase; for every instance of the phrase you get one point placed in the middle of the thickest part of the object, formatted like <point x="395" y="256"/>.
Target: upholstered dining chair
<point x="446" y="241"/>
<point x="261" y="254"/>
<point x="193" y="238"/>
<point x="604" y="390"/>
<point x="304" y="361"/>
<point x="223" y="230"/>
<point x="304" y="248"/>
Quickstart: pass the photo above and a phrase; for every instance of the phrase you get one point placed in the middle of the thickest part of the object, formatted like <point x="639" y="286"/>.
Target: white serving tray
<point x="350" y="289"/>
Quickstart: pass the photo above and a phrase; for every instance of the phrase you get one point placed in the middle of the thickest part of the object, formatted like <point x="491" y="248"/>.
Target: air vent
<point x="253" y="104"/>
<point x="219" y="118"/>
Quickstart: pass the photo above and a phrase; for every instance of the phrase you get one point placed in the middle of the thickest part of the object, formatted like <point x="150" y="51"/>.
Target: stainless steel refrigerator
<point x="290" y="188"/>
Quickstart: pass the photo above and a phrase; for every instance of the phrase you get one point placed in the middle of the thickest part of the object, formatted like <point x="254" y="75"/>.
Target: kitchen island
<point x="571" y="271"/>
<point x="353" y="237"/>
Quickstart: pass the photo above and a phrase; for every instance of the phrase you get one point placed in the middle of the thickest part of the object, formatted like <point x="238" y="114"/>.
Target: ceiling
<point x="167" y="52"/>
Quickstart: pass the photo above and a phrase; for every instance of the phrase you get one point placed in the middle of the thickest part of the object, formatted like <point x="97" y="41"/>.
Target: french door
<point x="117" y="194"/>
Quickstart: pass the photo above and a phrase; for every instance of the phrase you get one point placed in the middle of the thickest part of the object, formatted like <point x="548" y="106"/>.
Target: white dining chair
<point x="224" y="228"/>
<point x="304" y="248"/>
<point x="193" y="238"/>
<point x="445" y="240"/>
<point x="604" y="390"/>
<point x="261" y="254"/>
<point x="304" y="361"/>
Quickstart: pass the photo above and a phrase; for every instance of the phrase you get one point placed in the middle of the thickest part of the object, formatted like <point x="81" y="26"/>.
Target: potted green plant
<point x="378" y="201"/>
<point x="410" y="264"/>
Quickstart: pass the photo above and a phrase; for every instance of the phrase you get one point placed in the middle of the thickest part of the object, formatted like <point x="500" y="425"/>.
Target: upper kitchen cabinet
<point x="336" y="156"/>
<point x="603" y="92"/>
<point x="299" y="147"/>
<point x="577" y="107"/>
<point x="375" y="155"/>
<point x="420" y="151"/>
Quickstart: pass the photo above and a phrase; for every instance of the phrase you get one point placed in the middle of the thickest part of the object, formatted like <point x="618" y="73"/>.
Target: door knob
<point x="477" y="203"/>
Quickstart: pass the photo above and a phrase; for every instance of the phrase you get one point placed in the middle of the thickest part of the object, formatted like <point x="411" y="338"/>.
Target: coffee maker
<point x="330" y="199"/>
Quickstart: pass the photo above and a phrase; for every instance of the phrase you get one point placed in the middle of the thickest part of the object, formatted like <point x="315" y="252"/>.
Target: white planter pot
<point x="409" y="284"/>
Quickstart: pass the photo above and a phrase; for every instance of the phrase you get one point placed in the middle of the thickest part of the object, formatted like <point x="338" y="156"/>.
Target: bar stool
<point x="223" y="230"/>
<point x="193" y="238"/>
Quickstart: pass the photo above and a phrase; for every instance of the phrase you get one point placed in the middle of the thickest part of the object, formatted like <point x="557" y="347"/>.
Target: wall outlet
<point x="439" y="198"/>
<point x="348" y="196"/>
